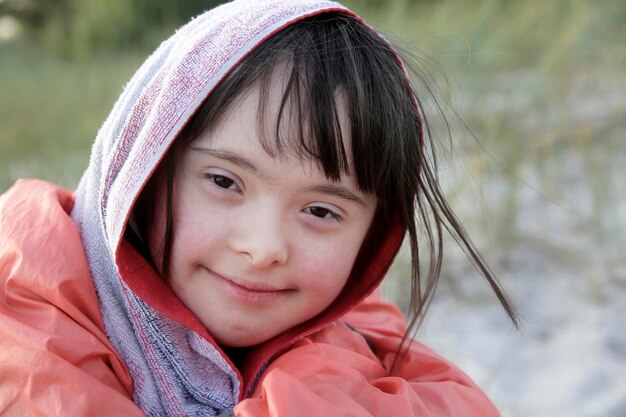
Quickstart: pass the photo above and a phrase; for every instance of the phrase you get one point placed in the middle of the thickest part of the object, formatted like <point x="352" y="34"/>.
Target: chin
<point x="241" y="341"/>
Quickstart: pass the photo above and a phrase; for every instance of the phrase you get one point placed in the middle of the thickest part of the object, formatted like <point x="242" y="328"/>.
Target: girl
<point x="221" y="254"/>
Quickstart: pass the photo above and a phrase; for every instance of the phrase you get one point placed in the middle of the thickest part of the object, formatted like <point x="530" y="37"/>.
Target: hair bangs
<point x="332" y="64"/>
<point x="308" y="123"/>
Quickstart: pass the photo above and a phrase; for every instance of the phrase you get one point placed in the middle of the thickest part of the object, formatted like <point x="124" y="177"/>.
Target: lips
<point x="247" y="292"/>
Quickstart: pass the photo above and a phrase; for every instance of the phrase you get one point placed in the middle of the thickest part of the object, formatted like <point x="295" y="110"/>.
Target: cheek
<point x="196" y="237"/>
<point x="326" y="269"/>
<point x="331" y="263"/>
<point x="200" y="228"/>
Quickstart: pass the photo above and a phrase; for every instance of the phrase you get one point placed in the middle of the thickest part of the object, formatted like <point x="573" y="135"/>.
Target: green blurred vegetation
<point x="77" y="28"/>
<point x="62" y="69"/>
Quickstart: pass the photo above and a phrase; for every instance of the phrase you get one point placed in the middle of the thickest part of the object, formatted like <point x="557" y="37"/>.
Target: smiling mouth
<point x="249" y="293"/>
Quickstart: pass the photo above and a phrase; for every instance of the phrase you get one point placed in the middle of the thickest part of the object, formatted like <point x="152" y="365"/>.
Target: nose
<point x="261" y="239"/>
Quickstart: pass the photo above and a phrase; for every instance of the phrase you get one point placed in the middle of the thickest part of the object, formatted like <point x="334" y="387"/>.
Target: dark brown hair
<point x="334" y="52"/>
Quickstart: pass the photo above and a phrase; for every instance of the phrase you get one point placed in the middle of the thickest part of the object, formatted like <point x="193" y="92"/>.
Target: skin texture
<point x="261" y="243"/>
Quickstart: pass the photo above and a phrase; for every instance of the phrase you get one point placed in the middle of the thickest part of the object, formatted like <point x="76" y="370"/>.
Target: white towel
<point x="175" y="371"/>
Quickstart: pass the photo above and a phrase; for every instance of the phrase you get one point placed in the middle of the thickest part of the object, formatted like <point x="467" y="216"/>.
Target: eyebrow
<point x="228" y="156"/>
<point x="336" y="190"/>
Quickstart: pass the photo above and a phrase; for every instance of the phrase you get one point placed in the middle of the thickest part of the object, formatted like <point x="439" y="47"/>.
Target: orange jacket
<point x="55" y="358"/>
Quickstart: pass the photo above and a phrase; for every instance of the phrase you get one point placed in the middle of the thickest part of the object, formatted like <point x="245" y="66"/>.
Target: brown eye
<point x="222" y="181"/>
<point x="323" y="213"/>
<point x="319" y="211"/>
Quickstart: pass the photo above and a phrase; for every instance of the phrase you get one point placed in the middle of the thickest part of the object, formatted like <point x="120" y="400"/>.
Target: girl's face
<point x="261" y="244"/>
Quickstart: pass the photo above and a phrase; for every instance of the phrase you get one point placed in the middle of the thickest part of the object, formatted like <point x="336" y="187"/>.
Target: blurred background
<point x="535" y="95"/>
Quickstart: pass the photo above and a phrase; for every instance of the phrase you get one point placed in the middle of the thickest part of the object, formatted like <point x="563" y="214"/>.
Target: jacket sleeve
<point x="338" y="372"/>
<point x="55" y="359"/>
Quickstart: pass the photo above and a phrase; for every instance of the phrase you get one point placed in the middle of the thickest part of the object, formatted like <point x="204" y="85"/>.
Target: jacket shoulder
<point x="41" y="251"/>
<point x="346" y="369"/>
<point x="51" y="331"/>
